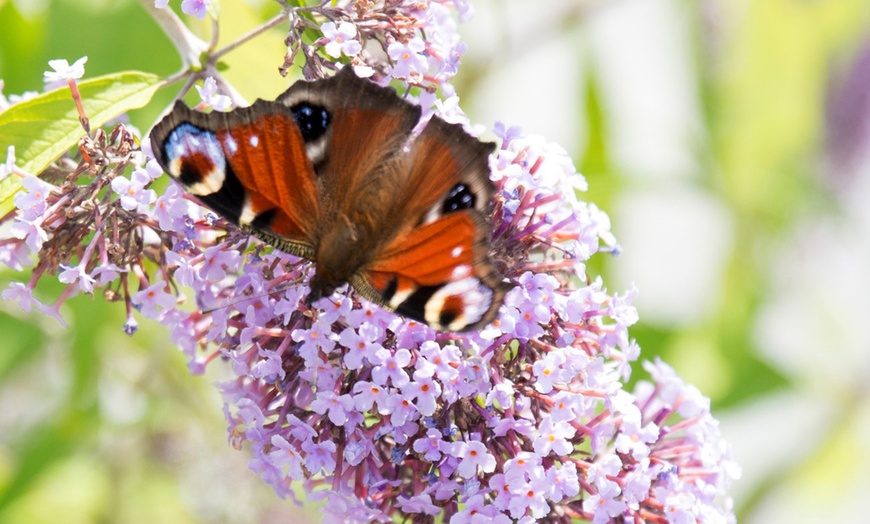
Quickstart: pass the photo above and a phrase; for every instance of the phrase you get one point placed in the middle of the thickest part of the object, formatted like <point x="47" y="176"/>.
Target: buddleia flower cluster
<point x="381" y="418"/>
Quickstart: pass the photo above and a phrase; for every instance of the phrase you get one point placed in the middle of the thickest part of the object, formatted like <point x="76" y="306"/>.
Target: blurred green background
<point x="730" y="142"/>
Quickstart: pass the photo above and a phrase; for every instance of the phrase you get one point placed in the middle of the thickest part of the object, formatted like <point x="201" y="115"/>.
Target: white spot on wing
<point x="456" y="252"/>
<point x="399" y="297"/>
<point x="460" y="272"/>
<point x="254" y="140"/>
<point x="230" y="144"/>
<point x="316" y="150"/>
<point x="247" y="215"/>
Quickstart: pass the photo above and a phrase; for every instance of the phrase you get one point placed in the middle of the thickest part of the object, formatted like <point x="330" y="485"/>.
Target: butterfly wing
<point x="438" y="269"/>
<point x="250" y="165"/>
<point x="354" y="159"/>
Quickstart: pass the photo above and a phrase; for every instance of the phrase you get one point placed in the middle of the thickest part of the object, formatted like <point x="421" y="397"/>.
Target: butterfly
<point x="329" y="171"/>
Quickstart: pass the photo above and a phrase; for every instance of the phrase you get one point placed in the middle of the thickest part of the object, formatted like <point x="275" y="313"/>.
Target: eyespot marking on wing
<point x="196" y="159"/>
<point x="458" y="304"/>
<point x="313" y="120"/>
<point x="458" y="198"/>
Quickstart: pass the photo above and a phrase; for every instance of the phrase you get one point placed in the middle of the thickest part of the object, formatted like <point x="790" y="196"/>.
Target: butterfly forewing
<point x="249" y="165"/>
<point x="368" y="125"/>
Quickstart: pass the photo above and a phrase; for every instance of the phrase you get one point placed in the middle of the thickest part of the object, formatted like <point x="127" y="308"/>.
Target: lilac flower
<point x="635" y="436"/>
<point x="197" y="8"/>
<point x="554" y="436"/>
<point x="269" y="368"/>
<point x="132" y="191"/>
<point x="209" y="91"/>
<point x="472" y="455"/>
<point x="20" y="293"/>
<point x="337" y="406"/>
<point x="77" y="274"/>
<point x="362" y="345"/>
<point x="32" y="202"/>
<point x="153" y="300"/>
<point x="638" y="482"/>
<point x="408" y="59"/>
<point x="63" y="71"/>
<point x="549" y="371"/>
<point x="425" y="391"/>
<point x="401" y="410"/>
<point x="216" y="262"/>
<point x="564" y="482"/>
<point x="170" y="209"/>
<point x="16" y="256"/>
<point x="340" y="39"/>
<point x="319" y="457"/>
<point x="391" y="366"/>
<point x="53" y="311"/>
<point x="366" y="394"/>
<point x="419" y="504"/>
<point x="430" y="446"/>
<point x="605" y="505"/>
<point x="31" y="232"/>
<point x="529" y="496"/>
<point x="314" y="340"/>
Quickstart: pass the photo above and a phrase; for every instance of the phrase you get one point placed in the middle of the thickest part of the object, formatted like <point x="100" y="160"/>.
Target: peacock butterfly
<point x="327" y="172"/>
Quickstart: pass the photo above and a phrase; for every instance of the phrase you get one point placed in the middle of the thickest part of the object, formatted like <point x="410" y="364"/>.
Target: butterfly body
<point x="329" y="172"/>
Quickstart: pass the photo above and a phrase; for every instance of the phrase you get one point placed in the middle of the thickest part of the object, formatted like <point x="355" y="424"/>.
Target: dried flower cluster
<point x="386" y="419"/>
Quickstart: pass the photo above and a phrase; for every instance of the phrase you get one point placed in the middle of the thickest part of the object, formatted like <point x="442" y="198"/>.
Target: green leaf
<point x="44" y="127"/>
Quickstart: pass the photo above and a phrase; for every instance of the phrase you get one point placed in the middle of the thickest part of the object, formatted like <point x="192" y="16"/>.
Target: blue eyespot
<point x="313" y="121"/>
<point x="458" y="198"/>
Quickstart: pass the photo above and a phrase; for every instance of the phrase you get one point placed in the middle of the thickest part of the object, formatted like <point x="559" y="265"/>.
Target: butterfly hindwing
<point x="438" y="270"/>
<point x="439" y="274"/>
